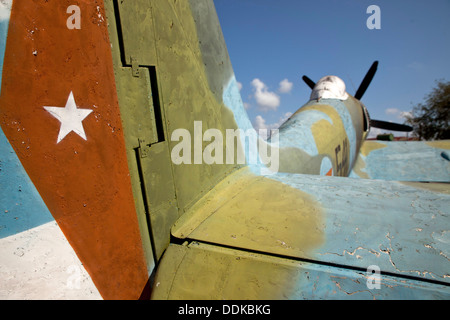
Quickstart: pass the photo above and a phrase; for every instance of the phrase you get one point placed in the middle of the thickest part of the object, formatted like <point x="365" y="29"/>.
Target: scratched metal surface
<point x="200" y="271"/>
<point x="404" y="161"/>
<point x="402" y="228"/>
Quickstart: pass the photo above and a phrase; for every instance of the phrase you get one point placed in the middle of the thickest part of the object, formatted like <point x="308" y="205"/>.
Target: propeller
<point x="366" y="81"/>
<point x="309" y="82"/>
<point x="390" y="126"/>
<point x="359" y="94"/>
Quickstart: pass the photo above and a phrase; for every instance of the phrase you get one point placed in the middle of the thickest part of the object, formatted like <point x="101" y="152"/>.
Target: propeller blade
<point x="366" y="81"/>
<point x="309" y="82"/>
<point x="390" y="126"/>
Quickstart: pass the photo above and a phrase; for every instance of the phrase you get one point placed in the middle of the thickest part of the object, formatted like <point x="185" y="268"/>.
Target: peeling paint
<point x="403" y="161"/>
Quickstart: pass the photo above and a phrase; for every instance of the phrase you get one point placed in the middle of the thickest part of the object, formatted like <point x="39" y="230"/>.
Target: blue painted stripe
<point x="21" y="206"/>
<point x="232" y="99"/>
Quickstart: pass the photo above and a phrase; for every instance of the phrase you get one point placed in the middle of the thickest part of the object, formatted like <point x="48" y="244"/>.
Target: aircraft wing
<point x="404" y="161"/>
<point x="292" y="236"/>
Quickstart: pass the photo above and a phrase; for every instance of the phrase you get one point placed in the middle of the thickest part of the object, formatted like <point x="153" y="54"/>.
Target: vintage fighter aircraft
<point x="93" y="203"/>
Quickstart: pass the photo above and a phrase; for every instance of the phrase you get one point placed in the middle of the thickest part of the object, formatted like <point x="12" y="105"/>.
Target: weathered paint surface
<point x="401" y="228"/>
<point x="248" y="206"/>
<point x="83" y="182"/>
<point x="36" y="259"/>
<point x="39" y="263"/>
<point x="145" y="69"/>
<point x="357" y="224"/>
<point x="201" y="271"/>
<point x="171" y="90"/>
<point x="403" y="161"/>
<point x="22" y="207"/>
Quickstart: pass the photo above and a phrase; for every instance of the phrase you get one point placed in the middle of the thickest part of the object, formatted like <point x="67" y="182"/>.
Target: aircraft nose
<point x="329" y="87"/>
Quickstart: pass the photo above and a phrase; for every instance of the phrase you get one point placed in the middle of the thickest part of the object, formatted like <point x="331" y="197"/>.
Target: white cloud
<point x="391" y="111"/>
<point x="285" y="86"/>
<point x="260" y="123"/>
<point x="239" y="85"/>
<point x="265" y="99"/>
<point x="399" y="114"/>
<point x="405" y="114"/>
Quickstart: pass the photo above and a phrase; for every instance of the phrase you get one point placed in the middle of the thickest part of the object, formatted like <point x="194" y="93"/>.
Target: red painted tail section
<point x="60" y="112"/>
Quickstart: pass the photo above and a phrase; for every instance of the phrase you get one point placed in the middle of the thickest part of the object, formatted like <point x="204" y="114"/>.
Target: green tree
<point x="431" y="118"/>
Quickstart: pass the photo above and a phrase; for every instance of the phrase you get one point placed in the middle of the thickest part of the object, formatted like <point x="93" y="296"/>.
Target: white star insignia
<point x="71" y="118"/>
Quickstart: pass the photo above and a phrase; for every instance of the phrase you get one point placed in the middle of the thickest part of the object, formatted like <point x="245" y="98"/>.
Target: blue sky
<point x="273" y="40"/>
